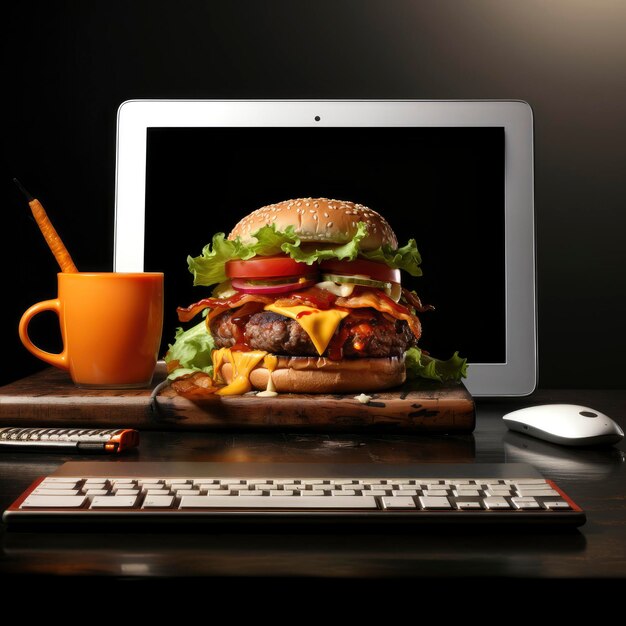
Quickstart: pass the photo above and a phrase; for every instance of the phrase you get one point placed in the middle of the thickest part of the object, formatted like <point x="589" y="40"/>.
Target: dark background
<point x="66" y="67"/>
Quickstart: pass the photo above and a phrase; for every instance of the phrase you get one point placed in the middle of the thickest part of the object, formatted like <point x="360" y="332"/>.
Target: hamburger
<point x="307" y="298"/>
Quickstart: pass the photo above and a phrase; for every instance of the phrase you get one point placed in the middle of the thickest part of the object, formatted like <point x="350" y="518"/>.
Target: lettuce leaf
<point x="190" y="352"/>
<point x="420" y="365"/>
<point x="406" y="258"/>
<point x="209" y="267"/>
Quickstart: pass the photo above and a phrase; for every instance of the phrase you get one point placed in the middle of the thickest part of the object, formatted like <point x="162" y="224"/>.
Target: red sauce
<point x="303" y="313"/>
<point x="359" y="326"/>
<point x="238" y="325"/>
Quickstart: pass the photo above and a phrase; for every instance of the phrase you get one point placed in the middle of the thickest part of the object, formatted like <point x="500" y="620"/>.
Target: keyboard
<point x="198" y="491"/>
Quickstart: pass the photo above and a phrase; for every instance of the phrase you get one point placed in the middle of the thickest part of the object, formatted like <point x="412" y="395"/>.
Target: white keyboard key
<point x="242" y="494"/>
<point x="464" y="505"/>
<point x="497" y="492"/>
<point x="313" y="481"/>
<point x="397" y="492"/>
<point x="402" y="486"/>
<point x="97" y="492"/>
<point x="496" y="502"/>
<point x="377" y="492"/>
<point x="95" y="481"/>
<point x="404" y="502"/>
<point x="188" y="492"/>
<point x="435" y="492"/>
<point x="179" y="486"/>
<point x="152" y="486"/>
<point x="59" y="479"/>
<point x="467" y="493"/>
<point x="320" y="502"/>
<point x="157" y="501"/>
<point x="47" y="502"/>
<point x="157" y="492"/>
<point x="537" y="492"/>
<point x="281" y="492"/>
<point x="434" y="502"/>
<point x="343" y="492"/>
<point x="55" y="492"/>
<point x="312" y="492"/>
<point x="50" y="486"/>
<point x="529" y="481"/>
<point x="525" y="503"/>
<point x="556" y="504"/>
<point x="116" y="502"/>
<point x="126" y="492"/>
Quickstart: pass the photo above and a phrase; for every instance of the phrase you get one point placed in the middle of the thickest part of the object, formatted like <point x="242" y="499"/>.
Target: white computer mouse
<point x="567" y="424"/>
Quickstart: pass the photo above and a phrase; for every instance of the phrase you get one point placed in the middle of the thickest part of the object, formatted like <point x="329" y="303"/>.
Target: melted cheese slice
<point x="320" y="326"/>
<point x="243" y="363"/>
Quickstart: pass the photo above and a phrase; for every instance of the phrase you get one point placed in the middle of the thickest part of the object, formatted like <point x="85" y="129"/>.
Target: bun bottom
<point x="321" y="375"/>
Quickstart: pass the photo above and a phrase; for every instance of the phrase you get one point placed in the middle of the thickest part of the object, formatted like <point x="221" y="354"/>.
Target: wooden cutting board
<point x="49" y="398"/>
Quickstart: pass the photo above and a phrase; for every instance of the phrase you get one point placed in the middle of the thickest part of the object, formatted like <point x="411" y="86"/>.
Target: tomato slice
<point x="245" y="286"/>
<point x="373" y="269"/>
<point x="267" y="267"/>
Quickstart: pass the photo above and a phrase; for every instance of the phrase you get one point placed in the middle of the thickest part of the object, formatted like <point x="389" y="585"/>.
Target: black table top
<point x="594" y="478"/>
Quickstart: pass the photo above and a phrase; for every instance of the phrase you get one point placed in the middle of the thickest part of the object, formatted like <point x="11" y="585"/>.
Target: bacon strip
<point x="314" y="297"/>
<point x="379" y="301"/>
<point x="413" y="299"/>
<point x="223" y="304"/>
<point x="198" y="385"/>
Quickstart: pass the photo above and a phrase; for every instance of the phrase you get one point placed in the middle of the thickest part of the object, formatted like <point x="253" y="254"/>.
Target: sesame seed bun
<point x="320" y="220"/>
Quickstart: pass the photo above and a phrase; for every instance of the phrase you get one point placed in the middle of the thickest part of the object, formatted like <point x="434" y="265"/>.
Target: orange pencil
<point x="49" y="232"/>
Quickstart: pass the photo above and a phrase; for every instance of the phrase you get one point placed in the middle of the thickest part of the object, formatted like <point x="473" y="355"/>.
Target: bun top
<point x="320" y="220"/>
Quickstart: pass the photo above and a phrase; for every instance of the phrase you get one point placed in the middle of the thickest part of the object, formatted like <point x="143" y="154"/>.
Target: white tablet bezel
<point x="518" y="375"/>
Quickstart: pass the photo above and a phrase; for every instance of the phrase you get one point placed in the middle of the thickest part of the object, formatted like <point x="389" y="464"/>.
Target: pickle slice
<point x="357" y="280"/>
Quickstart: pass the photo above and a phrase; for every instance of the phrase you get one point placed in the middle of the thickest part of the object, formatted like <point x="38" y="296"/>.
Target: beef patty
<point x="364" y="333"/>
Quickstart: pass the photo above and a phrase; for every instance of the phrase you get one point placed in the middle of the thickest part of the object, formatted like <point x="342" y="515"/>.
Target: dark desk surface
<point x="594" y="478"/>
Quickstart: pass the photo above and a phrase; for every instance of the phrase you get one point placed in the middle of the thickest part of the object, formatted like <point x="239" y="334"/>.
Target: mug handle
<point x="56" y="359"/>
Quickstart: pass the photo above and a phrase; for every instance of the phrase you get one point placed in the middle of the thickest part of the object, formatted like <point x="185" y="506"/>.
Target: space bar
<point x="278" y="502"/>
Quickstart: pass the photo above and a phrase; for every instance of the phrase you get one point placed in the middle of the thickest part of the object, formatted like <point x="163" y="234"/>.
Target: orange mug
<point x="111" y="326"/>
